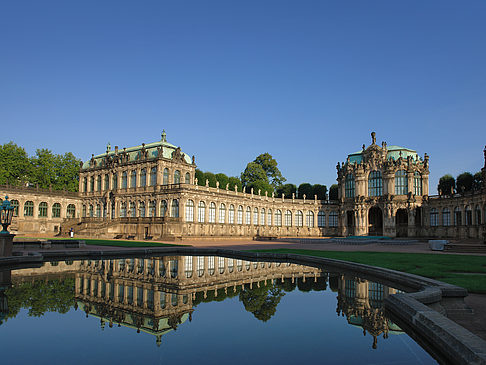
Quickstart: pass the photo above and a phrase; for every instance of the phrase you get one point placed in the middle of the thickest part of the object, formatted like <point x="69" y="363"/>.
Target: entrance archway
<point x="375" y="222"/>
<point x="401" y="223"/>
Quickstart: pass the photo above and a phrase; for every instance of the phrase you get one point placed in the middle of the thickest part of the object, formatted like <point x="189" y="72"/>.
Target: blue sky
<point x="306" y="81"/>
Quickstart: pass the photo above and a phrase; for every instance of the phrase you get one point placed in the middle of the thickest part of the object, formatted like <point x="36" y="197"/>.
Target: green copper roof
<point x="393" y="153"/>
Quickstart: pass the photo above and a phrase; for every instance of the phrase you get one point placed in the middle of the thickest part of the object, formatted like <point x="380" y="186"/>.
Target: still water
<point x="205" y="310"/>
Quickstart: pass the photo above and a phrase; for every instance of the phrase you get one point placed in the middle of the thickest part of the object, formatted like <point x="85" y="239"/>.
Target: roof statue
<point x="373" y="138"/>
<point x="164" y="136"/>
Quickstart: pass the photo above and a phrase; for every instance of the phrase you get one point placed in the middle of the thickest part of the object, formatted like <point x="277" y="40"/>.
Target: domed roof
<point x="393" y="153"/>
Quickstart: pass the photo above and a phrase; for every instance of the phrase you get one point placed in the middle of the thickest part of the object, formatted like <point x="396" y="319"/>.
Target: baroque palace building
<point x="150" y="192"/>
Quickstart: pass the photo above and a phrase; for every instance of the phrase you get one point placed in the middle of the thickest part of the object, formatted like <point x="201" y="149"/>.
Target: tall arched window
<point x="83" y="213"/>
<point x="115" y="181"/>
<point x="299" y="218"/>
<point x="141" y="209"/>
<point x="434" y="217"/>
<point x="132" y="209"/>
<point x="98" y="211"/>
<point x="71" y="211"/>
<point x="175" y="209"/>
<point x="124" y="180"/>
<point x="457" y="216"/>
<point x="143" y="177"/>
<point x="56" y="210"/>
<point x="333" y="219"/>
<point x="401" y="182"/>
<point x="91" y="211"/>
<point x="107" y="182"/>
<point x="187" y="180"/>
<point x="349" y="186"/>
<point x="133" y="179"/>
<point x="248" y="215"/>
<point x="85" y="184"/>
<point x="222" y="213"/>
<point x="262" y="216"/>
<point x="189" y="211"/>
<point x="212" y="213"/>
<point x="165" y="177"/>
<point x="446" y="217"/>
<point x="188" y="266"/>
<point x="469" y="220"/>
<point x="477" y="215"/>
<point x="278" y="218"/>
<point x="309" y="219"/>
<point x="221" y="265"/>
<point x="375" y="184"/>
<point x="163" y="208"/>
<point x="29" y="209"/>
<point x="91" y="184"/>
<point x="288" y="218"/>
<point x="153" y="176"/>
<point x="177" y="177"/>
<point x="231" y="214"/>
<point x="98" y="183"/>
<point x="321" y="219"/>
<point x="255" y="216"/>
<point x="239" y="216"/>
<point x="43" y="210"/>
<point x="417" y="183"/>
<point x="201" y="212"/>
<point x="152" y="206"/>
<point x="269" y="217"/>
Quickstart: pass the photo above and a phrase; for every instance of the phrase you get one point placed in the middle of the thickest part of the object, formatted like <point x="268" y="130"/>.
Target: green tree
<point x="233" y="180"/>
<point x="307" y="190"/>
<point x="333" y="192"/>
<point x="261" y="301"/>
<point x="222" y="179"/>
<point x="263" y="186"/>
<point x="200" y="177"/>
<point x="320" y="191"/>
<point x="464" y="182"/>
<point x="44" y="168"/>
<point x="211" y="178"/>
<point x="253" y="173"/>
<point x="15" y="166"/>
<point x="447" y="185"/>
<point x="477" y="181"/>
<point x="287" y="190"/>
<point x="67" y="170"/>
<point x="269" y="165"/>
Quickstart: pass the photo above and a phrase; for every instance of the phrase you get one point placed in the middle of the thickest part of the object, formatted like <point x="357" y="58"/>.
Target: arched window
<point x="71" y="211"/>
<point x="141" y="209"/>
<point x="152" y="205"/>
<point x="278" y="218"/>
<point x="15" y="205"/>
<point x="262" y="216"/>
<point x="124" y="180"/>
<point x="187" y="180"/>
<point x="98" y="210"/>
<point x="469" y="220"/>
<point x="132" y="209"/>
<point x="231" y="214"/>
<point x="163" y="208"/>
<point x="477" y="216"/>
<point x="123" y="209"/>
<point x="321" y="219"/>
<point x="153" y="176"/>
<point x="91" y="184"/>
<point x="231" y="265"/>
<point x="248" y="216"/>
<point x="200" y="266"/>
<point x="165" y="177"/>
<point x="107" y="182"/>
<point x="349" y="186"/>
<point x="133" y="179"/>
<point x="401" y="182"/>
<point x="188" y="266"/>
<point x="309" y="219"/>
<point x="56" y="210"/>
<point x="175" y="209"/>
<point x="222" y="213"/>
<point x="434" y="217"/>
<point x="201" y="212"/>
<point x="221" y="265"/>
<point x="417" y="183"/>
<point x="85" y="184"/>
<point x="189" y="211"/>
<point x="143" y="177"/>
<point x="43" y="210"/>
<point x="239" y="216"/>
<point x="98" y="183"/>
<point x="446" y="217"/>
<point x="375" y="184"/>
<point x="288" y="218"/>
<point x="211" y="265"/>
<point x="84" y="211"/>
<point x="212" y="213"/>
<point x="91" y="211"/>
<point x="255" y="216"/>
<point x="29" y="209"/>
<point x="269" y="217"/>
<point x="299" y="218"/>
<point x="333" y="219"/>
<point x="177" y="177"/>
<point x="457" y="216"/>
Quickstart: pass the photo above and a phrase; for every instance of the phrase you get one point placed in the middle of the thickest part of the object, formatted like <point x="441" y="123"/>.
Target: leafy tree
<point x="287" y="190"/>
<point x="223" y="180"/>
<point x="67" y="171"/>
<point x="15" y="166"/>
<point x="269" y="165"/>
<point x="233" y="180"/>
<point x="447" y="185"/>
<point x="262" y="186"/>
<point x="261" y="301"/>
<point x="333" y="192"/>
<point x="320" y="191"/>
<point x="477" y="181"/>
<point x="253" y="173"/>
<point x="211" y="178"/>
<point x="201" y="181"/>
<point x="307" y="190"/>
<point x="464" y="182"/>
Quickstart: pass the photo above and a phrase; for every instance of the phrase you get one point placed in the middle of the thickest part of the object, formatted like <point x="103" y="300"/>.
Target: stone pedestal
<point x="6" y="242"/>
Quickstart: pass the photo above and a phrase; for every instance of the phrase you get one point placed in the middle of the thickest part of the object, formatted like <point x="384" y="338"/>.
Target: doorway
<point x="375" y="222"/>
<point x="401" y="223"/>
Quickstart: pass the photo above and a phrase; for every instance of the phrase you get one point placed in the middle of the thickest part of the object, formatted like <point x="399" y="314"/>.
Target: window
<point x="153" y="176"/>
<point x="349" y="186"/>
<point x="189" y="211"/>
<point x="468" y="216"/>
<point x="212" y="213"/>
<point x="152" y="208"/>
<point x="123" y="209"/>
<point x="143" y="177"/>
<point x="321" y="219"/>
<point x="177" y="177"/>
<point x="288" y="218"/>
<point x="446" y="217"/>
<point x="248" y="215"/>
<point x="262" y="216"/>
<point x="333" y="219"/>
<point x="477" y="216"/>
<point x="211" y="265"/>
<point x="165" y="177"/>
<point x="278" y="218"/>
<point x="239" y="216"/>
<point x="299" y="218"/>
<point x="417" y="183"/>
<point x="222" y="213"/>
<point x="98" y="183"/>
<point x="434" y="217"/>
<point x="457" y="216"/>
<point x="175" y="209"/>
<point x="56" y="210"/>
<point x="115" y="181"/>
<point x="85" y="184"/>
<point x="124" y="180"/>
<point x="133" y="179"/>
<point x="188" y="266"/>
<point x="187" y="180"/>
<point x="255" y="216"/>
<point x="91" y="184"/>
<point x="375" y="184"/>
<point x="231" y="265"/>
<point x="201" y="212"/>
<point x="163" y="208"/>
<point x="132" y="209"/>
<point x="84" y="211"/>
<point x="91" y="211"/>
<point x="29" y="209"/>
<point x="107" y="182"/>
<point x="309" y="219"/>
<point x="231" y="214"/>
<point x="98" y="210"/>
<point x="15" y="205"/>
<point x="221" y="265"/>
<point x="269" y="217"/>
<point x="401" y="182"/>
<point x="43" y="209"/>
<point x="200" y="266"/>
<point x="141" y="209"/>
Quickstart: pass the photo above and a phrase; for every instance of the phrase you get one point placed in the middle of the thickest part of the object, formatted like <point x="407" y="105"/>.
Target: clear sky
<point x="306" y="81"/>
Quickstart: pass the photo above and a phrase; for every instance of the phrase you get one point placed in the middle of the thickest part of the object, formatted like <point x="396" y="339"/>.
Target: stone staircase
<point x="466" y="248"/>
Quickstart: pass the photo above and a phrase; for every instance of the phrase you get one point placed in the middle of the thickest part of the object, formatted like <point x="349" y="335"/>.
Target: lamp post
<point x="6" y="238"/>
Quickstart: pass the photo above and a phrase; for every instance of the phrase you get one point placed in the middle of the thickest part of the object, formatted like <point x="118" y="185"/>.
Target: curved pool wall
<point x="422" y="311"/>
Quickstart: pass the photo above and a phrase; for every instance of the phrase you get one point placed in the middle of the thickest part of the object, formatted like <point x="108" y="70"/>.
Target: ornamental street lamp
<point x="6" y="214"/>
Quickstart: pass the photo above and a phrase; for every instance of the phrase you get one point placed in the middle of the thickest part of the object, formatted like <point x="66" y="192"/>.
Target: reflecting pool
<point x="196" y="309"/>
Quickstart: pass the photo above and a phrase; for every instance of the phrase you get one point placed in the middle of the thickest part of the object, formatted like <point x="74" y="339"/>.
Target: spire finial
<point x="108" y="147"/>
<point x="373" y="138"/>
<point x="164" y="136"/>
